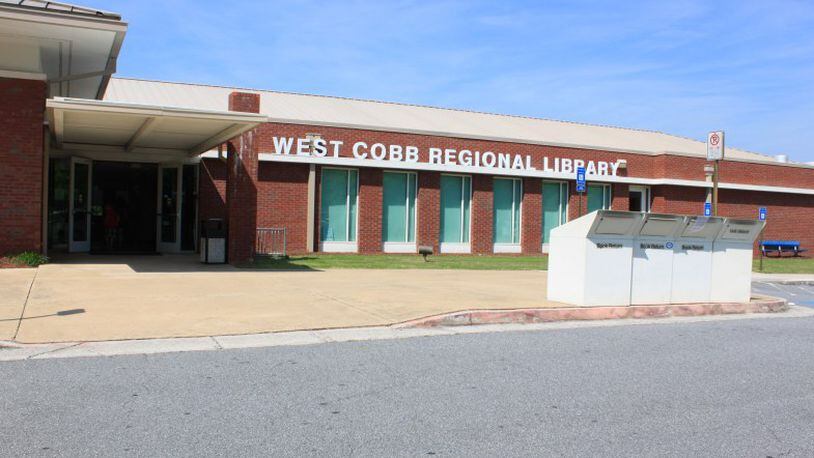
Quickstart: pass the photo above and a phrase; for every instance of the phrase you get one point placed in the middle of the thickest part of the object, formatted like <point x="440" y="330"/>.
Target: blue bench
<point x="780" y="247"/>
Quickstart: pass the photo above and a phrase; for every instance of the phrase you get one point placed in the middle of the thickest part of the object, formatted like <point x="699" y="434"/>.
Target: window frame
<point x="340" y="246"/>
<point x="510" y="247"/>
<point x="607" y="195"/>
<point x="563" y="212"/>
<point x="404" y="246"/>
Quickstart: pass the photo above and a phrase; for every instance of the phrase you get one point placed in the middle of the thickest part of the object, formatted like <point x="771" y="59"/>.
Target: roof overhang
<point x="73" y="48"/>
<point x="78" y="124"/>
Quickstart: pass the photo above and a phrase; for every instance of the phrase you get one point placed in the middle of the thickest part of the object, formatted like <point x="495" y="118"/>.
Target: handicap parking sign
<point x="707" y="209"/>
<point x="580" y="179"/>
<point x="761" y="214"/>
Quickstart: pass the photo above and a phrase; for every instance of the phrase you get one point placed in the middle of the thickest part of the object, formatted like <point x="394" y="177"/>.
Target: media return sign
<point x="291" y="146"/>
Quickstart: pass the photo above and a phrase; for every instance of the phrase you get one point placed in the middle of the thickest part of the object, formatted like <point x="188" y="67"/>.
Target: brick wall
<point x="282" y="201"/>
<point x="21" y="164"/>
<point x="282" y="189"/>
<point x="789" y="215"/>
<point x="620" y="200"/>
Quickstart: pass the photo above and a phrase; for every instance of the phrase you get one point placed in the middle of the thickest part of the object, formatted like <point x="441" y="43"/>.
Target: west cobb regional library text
<point x="90" y="162"/>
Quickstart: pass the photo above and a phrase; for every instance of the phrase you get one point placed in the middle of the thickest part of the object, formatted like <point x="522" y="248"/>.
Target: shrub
<point x="29" y="258"/>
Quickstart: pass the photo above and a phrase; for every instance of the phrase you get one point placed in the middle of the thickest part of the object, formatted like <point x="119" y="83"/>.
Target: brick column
<point x="531" y="219"/>
<point x="241" y="183"/>
<point x="21" y="164"/>
<point x="482" y="215"/>
<point x="212" y="174"/>
<point x="370" y="210"/>
<point x="429" y="209"/>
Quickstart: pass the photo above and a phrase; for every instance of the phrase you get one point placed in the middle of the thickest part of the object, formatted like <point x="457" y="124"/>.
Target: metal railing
<point x="270" y="241"/>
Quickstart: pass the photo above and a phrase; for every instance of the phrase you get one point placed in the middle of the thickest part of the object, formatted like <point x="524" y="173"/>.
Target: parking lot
<point x="796" y="293"/>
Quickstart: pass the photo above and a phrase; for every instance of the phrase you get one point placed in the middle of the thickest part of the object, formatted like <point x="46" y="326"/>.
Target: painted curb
<point x="547" y="315"/>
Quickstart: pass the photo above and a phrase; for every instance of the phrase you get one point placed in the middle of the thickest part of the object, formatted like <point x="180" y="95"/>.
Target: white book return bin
<point x="692" y="260"/>
<point x="590" y="257"/>
<point x="732" y="260"/>
<point x="623" y="258"/>
<point x="653" y="258"/>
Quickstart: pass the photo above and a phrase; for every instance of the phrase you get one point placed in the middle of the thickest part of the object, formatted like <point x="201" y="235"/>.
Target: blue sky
<point x="682" y="66"/>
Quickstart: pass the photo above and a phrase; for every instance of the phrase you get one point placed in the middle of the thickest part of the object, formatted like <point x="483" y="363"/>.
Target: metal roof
<point x="395" y="117"/>
<point x="60" y="7"/>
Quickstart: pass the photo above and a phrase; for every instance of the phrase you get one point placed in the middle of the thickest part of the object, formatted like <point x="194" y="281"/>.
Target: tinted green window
<point x="455" y="200"/>
<point x="398" y="207"/>
<point x="599" y="197"/>
<point x="507" y="197"/>
<point x="555" y="206"/>
<point x="338" y="205"/>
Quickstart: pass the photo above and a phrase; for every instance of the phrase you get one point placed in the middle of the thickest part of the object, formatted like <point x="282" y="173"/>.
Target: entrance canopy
<point x="86" y="124"/>
<point x="71" y="47"/>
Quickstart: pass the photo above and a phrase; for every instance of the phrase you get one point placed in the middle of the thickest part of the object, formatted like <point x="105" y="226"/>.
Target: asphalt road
<point x="722" y="388"/>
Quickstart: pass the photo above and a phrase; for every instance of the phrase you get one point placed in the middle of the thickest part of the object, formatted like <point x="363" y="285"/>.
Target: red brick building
<point x="94" y="163"/>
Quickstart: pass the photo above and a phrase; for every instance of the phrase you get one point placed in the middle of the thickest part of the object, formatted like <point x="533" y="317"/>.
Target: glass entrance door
<point x="169" y="206"/>
<point x="79" y="205"/>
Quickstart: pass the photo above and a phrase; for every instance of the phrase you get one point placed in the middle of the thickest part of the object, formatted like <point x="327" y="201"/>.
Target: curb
<point x="787" y="282"/>
<point x="547" y="315"/>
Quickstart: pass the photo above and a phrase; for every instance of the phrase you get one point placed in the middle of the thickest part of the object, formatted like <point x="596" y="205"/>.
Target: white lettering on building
<point x="440" y="156"/>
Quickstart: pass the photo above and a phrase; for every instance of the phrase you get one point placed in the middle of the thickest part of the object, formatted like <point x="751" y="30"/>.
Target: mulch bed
<point x="6" y="263"/>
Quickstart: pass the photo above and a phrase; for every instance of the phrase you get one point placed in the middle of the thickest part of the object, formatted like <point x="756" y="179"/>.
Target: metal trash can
<point x="213" y="241"/>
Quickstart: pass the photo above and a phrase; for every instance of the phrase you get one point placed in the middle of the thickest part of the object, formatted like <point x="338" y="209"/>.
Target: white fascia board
<point x="354" y="162"/>
<point x="23" y="75"/>
<point x="49" y="17"/>
<point x="64" y="103"/>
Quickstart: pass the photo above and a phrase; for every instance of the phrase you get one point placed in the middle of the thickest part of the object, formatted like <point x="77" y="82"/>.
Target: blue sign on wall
<point x="580" y="179"/>
<point x="761" y="214"/>
<point x="707" y="209"/>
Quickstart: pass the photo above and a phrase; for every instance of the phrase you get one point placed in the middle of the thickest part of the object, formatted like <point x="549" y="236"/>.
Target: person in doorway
<point x="111" y="223"/>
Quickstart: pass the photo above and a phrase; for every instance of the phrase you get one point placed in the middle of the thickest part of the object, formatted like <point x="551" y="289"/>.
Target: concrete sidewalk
<point x="111" y="298"/>
<point x="102" y="298"/>
<point x="14" y="287"/>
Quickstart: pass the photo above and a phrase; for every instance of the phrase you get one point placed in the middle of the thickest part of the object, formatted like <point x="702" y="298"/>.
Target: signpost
<point x="707" y="209"/>
<point x="715" y="153"/>
<point x="761" y="215"/>
<point x="580" y="186"/>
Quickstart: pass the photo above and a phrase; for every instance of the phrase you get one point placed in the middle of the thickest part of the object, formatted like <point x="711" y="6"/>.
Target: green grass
<point x="784" y="265"/>
<point x="357" y="261"/>
<point x="319" y="261"/>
